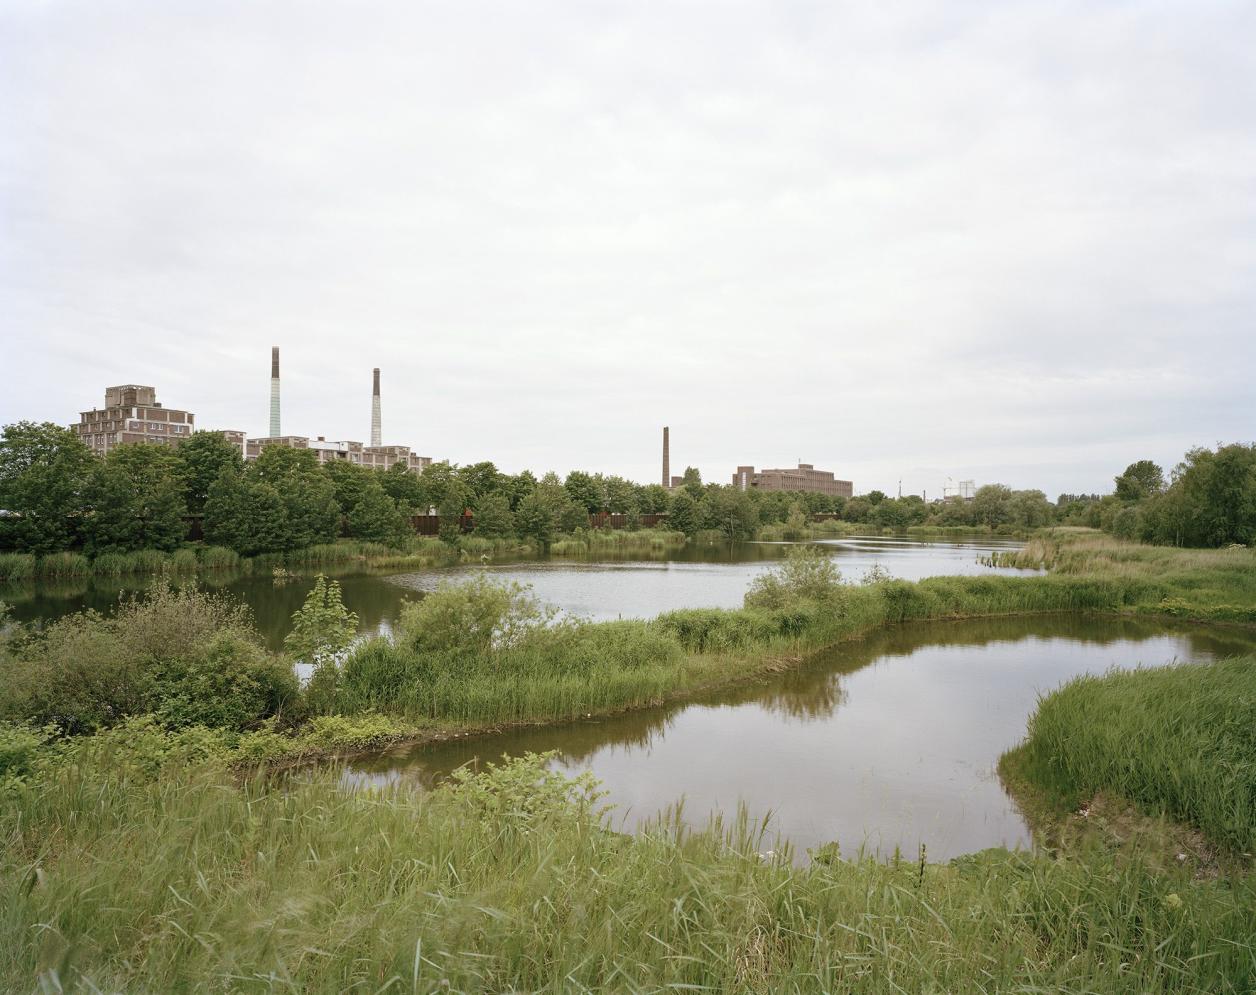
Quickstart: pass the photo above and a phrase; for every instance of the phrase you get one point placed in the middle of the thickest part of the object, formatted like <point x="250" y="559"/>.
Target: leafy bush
<point x="807" y="573"/>
<point x="192" y="656"/>
<point x="231" y="683"/>
<point x="474" y="617"/>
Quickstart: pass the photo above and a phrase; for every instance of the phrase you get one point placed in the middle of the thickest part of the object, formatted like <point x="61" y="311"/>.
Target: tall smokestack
<point x="274" y="392"/>
<point x="376" y="435"/>
<point x="667" y="460"/>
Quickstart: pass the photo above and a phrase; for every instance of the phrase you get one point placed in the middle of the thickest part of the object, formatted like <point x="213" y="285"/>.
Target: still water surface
<point x="639" y="585"/>
<point x="891" y="740"/>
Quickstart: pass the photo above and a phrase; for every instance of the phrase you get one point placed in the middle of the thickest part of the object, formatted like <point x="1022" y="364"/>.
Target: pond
<point x="642" y="585"/>
<point x="887" y="741"/>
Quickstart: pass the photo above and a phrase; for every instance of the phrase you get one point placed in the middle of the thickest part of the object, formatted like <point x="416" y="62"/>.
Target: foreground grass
<point x="121" y="876"/>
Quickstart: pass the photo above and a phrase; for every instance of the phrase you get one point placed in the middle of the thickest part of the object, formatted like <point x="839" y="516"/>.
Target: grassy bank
<point x="1175" y="741"/>
<point x="509" y="882"/>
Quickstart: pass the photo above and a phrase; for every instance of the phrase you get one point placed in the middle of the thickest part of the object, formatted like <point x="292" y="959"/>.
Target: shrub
<point x="86" y="672"/>
<point x="231" y="683"/>
<point x="807" y="573"/>
<point x="470" y="618"/>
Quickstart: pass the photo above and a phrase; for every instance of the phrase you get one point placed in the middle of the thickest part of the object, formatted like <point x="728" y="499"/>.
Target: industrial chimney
<point x="274" y="392"/>
<point x="667" y="461"/>
<point x="376" y="435"/>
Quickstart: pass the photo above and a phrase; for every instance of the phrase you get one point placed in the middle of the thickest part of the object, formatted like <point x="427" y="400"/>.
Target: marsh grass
<point x="1177" y="741"/>
<point x="64" y="565"/>
<point x="510" y="881"/>
<point x="17" y="566"/>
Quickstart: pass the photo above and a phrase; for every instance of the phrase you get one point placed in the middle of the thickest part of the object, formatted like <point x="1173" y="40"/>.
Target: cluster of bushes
<point x="187" y="657"/>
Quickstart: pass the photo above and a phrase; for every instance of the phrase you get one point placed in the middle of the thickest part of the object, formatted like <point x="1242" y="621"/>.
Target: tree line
<point x="56" y="495"/>
<point x="1207" y="500"/>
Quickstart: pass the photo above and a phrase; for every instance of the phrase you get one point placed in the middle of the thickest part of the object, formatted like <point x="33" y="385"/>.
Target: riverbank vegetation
<point x="128" y="736"/>
<point x="508" y="880"/>
<point x="1176" y="741"/>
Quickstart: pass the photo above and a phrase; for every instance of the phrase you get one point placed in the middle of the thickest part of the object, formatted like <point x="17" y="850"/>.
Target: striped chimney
<point x="376" y="434"/>
<point x="274" y="392"/>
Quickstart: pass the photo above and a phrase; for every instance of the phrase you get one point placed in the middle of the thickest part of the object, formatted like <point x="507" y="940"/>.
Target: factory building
<point x="805" y="478"/>
<point x="132" y="414"/>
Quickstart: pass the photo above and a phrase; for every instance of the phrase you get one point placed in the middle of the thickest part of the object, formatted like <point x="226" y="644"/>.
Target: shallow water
<point x="638" y="584"/>
<point x="887" y="741"/>
<point x="605" y="590"/>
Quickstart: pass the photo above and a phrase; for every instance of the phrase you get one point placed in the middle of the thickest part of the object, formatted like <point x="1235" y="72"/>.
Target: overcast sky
<point x="1006" y="241"/>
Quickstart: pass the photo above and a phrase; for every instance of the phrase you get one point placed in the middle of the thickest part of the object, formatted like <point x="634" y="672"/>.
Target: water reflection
<point x="638" y="584"/>
<point x="883" y="741"/>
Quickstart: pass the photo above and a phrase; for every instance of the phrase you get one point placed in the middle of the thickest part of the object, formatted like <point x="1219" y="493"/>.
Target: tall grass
<point x="64" y="565"/>
<point x="17" y="566"/>
<point x="116" y="878"/>
<point x="217" y="558"/>
<point x="1175" y="740"/>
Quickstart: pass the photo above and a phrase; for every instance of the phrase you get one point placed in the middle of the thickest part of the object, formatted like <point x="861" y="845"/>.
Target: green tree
<point x="683" y="514"/>
<point x="535" y="520"/>
<point x="653" y="499"/>
<point x="202" y="459"/>
<point x="518" y="487"/>
<point x="309" y="496"/>
<point x="480" y="479"/>
<point x="731" y="511"/>
<point x="245" y="514"/>
<point x="348" y="481"/>
<point x="493" y="517"/>
<point x="691" y="480"/>
<point x="992" y="505"/>
<point x="621" y="496"/>
<point x="322" y="628"/>
<point x="44" y="469"/>
<point x="322" y="631"/>
<point x="402" y="485"/>
<point x="875" y="497"/>
<point x="1219" y="495"/>
<point x="135" y="501"/>
<point x="1140" y="480"/>
<point x="586" y="491"/>
<point x="376" y="518"/>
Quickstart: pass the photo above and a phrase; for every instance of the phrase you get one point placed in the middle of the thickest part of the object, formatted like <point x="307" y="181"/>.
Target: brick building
<point x="805" y="478"/>
<point x="375" y="457"/>
<point x="132" y="414"/>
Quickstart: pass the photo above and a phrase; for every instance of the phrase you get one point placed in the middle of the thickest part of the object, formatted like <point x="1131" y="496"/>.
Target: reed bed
<point x="510" y="881"/>
<point x="62" y="565"/>
<point x="17" y="566"/>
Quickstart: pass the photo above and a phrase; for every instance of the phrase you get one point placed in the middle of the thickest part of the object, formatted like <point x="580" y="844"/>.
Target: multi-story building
<point x="375" y="457"/>
<point x="133" y="414"/>
<point x="805" y="478"/>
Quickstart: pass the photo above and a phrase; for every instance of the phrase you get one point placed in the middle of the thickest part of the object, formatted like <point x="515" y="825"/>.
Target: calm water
<point x="642" y="586"/>
<point x="626" y="589"/>
<point x="890" y="740"/>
